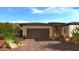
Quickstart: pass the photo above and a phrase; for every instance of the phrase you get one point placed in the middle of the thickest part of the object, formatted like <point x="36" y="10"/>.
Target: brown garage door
<point x="38" y="33"/>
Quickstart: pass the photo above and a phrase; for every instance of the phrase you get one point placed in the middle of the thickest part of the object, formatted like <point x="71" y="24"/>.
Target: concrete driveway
<point x="32" y="45"/>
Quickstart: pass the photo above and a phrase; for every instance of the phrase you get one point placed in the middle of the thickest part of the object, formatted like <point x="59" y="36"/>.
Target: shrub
<point x="18" y="40"/>
<point x="75" y="36"/>
<point x="8" y="31"/>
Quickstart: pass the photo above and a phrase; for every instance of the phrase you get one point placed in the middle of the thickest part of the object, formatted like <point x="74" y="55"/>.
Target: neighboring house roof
<point x="56" y="23"/>
<point x="73" y="23"/>
<point x="33" y="23"/>
<point x="50" y="23"/>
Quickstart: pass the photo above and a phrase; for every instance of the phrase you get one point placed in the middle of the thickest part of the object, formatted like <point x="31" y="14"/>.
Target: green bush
<point x="75" y="32"/>
<point x="18" y="40"/>
<point x="8" y="31"/>
<point x="75" y="35"/>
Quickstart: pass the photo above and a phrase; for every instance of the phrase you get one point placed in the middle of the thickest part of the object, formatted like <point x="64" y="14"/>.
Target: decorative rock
<point x="2" y="42"/>
<point x="13" y="45"/>
<point x="67" y="39"/>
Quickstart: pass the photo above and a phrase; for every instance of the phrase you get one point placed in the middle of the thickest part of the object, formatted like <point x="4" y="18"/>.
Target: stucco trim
<point x="24" y="28"/>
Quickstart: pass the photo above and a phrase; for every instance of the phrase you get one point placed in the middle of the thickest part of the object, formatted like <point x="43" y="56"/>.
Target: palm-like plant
<point x="75" y="35"/>
<point x="75" y="32"/>
<point x="8" y="31"/>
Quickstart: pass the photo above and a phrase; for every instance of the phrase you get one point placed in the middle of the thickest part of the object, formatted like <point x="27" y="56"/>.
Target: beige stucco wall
<point x="51" y="29"/>
<point x="71" y="27"/>
<point x="68" y="29"/>
<point x="24" y="28"/>
<point x="65" y="31"/>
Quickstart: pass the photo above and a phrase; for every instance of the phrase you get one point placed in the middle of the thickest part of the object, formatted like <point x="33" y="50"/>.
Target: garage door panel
<point x="38" y="33"/>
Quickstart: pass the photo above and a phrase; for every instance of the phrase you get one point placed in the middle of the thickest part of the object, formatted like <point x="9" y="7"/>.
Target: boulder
<point x="13" y="45"/>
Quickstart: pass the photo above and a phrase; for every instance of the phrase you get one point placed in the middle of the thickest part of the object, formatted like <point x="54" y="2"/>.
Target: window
<point x="65" y="29"/>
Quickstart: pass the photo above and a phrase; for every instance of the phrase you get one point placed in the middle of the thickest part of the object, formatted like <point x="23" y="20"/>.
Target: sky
<point x="39" y="14"/>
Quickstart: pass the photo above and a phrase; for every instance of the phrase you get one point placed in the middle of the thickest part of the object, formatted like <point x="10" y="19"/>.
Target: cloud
<point x="65" y="14"/>
<point x="19" y="21"/>
<point x="47" y="10"/>
<point x="57" y="10"/>
<point x="36" y="10"/>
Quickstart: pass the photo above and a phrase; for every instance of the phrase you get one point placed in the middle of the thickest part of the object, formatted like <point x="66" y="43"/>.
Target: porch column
<point x="50" y="32"/>
<point x="24" y="33"/>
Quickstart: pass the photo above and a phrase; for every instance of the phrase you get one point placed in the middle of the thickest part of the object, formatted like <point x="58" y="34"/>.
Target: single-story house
<point x="47" y="30"/>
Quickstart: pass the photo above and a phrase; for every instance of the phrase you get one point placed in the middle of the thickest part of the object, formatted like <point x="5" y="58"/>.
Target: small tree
<point x="8" y="31"/>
